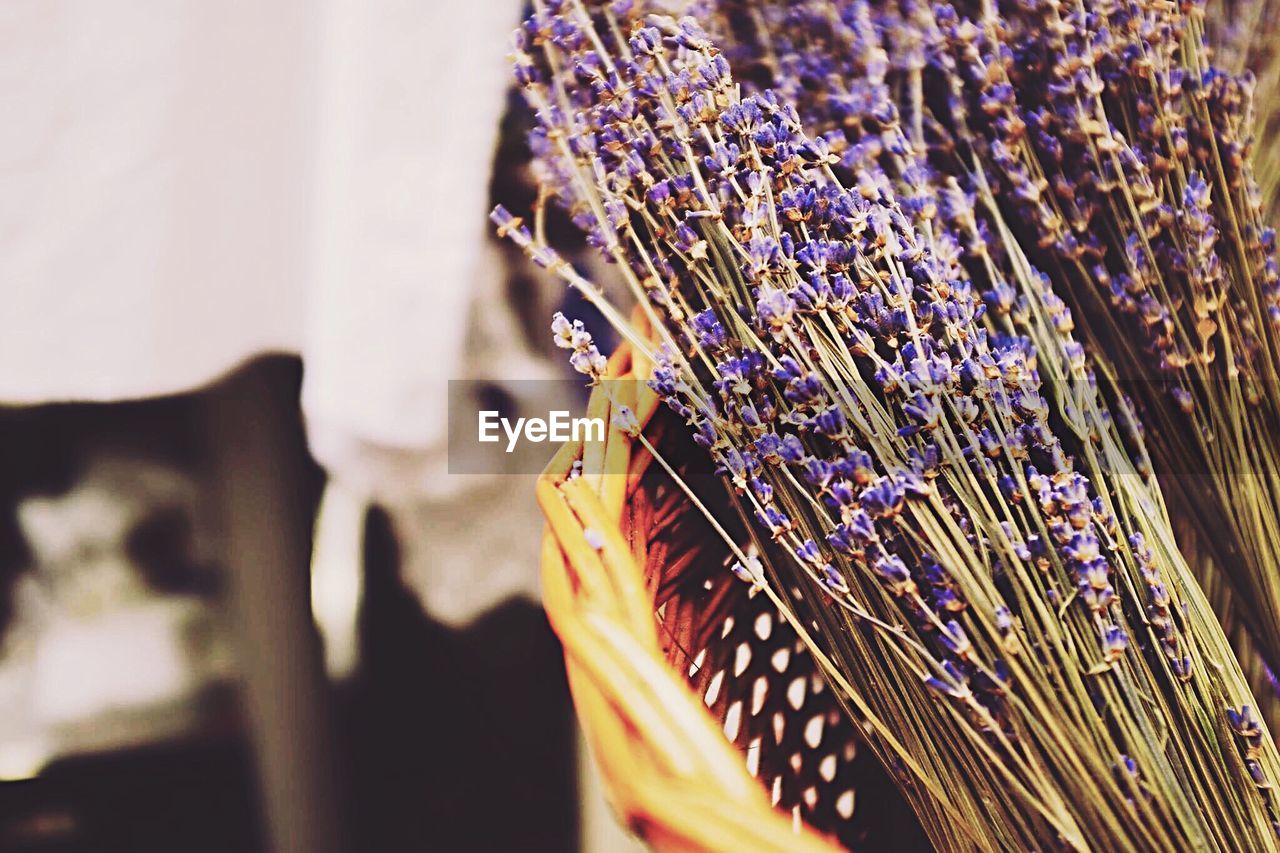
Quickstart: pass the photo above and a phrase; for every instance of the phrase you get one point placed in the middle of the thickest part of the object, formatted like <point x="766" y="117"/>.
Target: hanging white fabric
<point x="188" y="184"/>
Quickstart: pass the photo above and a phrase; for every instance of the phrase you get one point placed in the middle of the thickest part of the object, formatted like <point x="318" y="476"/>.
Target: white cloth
<point x="153" y="192"/>
<point x="187" y="183"/>
<point x="409" y="114"/>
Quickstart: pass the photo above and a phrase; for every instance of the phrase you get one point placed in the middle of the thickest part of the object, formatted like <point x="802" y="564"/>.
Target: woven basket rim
<point x="669" y="772"/>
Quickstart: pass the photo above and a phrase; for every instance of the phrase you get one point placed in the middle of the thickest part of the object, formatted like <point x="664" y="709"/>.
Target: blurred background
<point x="244" y="606"/>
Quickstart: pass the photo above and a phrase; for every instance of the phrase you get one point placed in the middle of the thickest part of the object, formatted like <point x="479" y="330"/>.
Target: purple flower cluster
<point x="816" y="343"/>
<point x="585" y="358"/>
<point x="1016" y="111"/>
<point x="821" y="331"/>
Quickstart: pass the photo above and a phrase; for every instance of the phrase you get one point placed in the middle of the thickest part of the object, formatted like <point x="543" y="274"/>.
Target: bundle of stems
<point x="988" y="579"/>
<point x="1243" y="35"/>
<point x="1018" y="107"/>
<point x="1120" y="157"/>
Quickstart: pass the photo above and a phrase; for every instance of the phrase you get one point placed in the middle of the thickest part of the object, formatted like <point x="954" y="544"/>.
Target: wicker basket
<point x="654" y="630"/>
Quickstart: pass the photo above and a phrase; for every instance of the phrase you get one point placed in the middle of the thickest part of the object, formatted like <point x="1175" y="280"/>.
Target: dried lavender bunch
<point x="1244" y="35"/>
<point x="973" y="594"/>
<point x="1104" y="130"/>
<point x="830" y="58"/>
